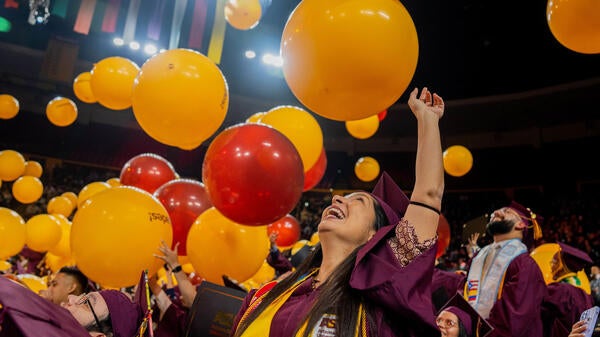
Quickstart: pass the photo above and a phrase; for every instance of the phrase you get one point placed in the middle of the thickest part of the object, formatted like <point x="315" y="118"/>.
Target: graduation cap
<point x="125" y="315"/>
<point x="391" y="198"/>
<point x="476" y="225"/>
<point x="573" y="258"/>
<point x="474" y="324"/>
<point x="533" y="230"/>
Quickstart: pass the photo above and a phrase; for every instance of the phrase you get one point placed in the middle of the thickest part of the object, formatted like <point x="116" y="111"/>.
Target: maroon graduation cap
<point x="573" y="258"/>
<point x="391" y="198"/>
<point x="474" y="324"/>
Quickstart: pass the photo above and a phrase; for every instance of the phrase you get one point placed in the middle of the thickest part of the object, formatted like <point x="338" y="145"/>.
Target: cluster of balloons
<point x="457" y="160"/>
<point x="245" y="14"/>
<point x="27" y="186"/>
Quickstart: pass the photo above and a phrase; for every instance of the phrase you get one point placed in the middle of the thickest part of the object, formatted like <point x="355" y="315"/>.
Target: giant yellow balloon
<point x="180" y="98"/>
<point x="217" y="246"/>
<point x="115" y="233"/>
<point x="83" y="88"/>
<point x="89" y="190"/>
<point x="33" y="168"/>
<point x="543" y="255"/>
<point x="43" y="232"/>
<point x="9" y="106"/>
<point x="301" y="128"/>
<point x="112" y="82"/>
<point x="61" y="111"/>
<point x="12" y="233"/>
<point x="363" y="128"/>
<point x="12" y="165"/>
<point x="458" y="160"/>
<point x="575" y="24"/>
<point x="27" y="189"/>
<point x="243" y="14"/>
<point x="366" y="168"/>
<point x="349" y="59"/>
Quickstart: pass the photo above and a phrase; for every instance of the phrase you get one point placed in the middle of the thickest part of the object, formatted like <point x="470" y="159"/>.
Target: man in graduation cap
<point x="566" y="300"/>
<point x="504" y="284"/>
<point x="458" y="319"/>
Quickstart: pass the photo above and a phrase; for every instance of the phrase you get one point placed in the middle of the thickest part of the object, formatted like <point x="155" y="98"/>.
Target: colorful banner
<point x="178" y="14"/>
<point x="131" y="21"/>
<point x="198" y="23"/>
<point x="59" y="8"/>
<point x="215" y="46"/>
<point x="84" y="16"/>
<point x="111" y="14"/>
<point x="98" y="16"/>
<point x="155" y="23"/>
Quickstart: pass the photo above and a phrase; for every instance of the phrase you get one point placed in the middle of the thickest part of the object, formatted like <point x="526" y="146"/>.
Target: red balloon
<point x="147" y="171"/>
<point x="316" y="172"/>
<point x="381" y="115"/>
<point x="185" y="200"/>
<point x="288" y="230"/>
<point x="253" y="174"/>
<point x="443" y="232"/>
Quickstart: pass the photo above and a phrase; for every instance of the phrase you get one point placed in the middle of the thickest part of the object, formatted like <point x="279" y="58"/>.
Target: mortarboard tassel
<point x="537" y="229"/>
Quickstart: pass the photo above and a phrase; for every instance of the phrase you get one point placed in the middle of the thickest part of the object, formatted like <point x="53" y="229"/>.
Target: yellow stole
<point x="261" y="326"/>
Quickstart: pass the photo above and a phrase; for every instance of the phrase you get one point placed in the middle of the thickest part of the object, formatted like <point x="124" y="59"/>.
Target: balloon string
<point x="149" y="308"/>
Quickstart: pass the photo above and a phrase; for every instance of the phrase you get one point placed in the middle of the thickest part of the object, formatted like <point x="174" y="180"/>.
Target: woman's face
<point x="350" y="218"/>
<point x="447" y="322"/>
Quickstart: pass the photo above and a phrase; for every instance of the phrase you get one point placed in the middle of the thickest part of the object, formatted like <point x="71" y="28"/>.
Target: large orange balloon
<point x="83" y="88"/>
<point x="218" y="246"/>
<point x="60" y="205"/>
<point x="9" y="106"/>
<point x="43" y="232"/>
<point x="180" y="98"/>
<point x="301" y="128"/>
<point x="243" y="14"/>
<point x="61" y="111"/>
<point x="349" y="59"/>
<point x="112" y="82"/>
<point x="27" y="189"/>
<point x="89" y="190"/>
<point x="33" y="168"/>
<point x="12" y="233"/>
<point x="115" y="234"/>
<point x="575" y="24"/>
<point x="458" y="160"/>
<point x="366" y="168"/>
<point x="363" y="128"/>
<point x="12" y="165"/>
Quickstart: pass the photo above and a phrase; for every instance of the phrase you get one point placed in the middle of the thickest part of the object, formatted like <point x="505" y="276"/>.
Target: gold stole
<point x="261" y="326"/>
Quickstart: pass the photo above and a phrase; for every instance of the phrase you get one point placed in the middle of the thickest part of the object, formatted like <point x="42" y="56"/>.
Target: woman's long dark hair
<point x="336" y="296"/>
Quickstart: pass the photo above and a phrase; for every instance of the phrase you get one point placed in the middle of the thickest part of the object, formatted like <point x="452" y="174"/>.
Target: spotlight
<point x="118" y="41"/>
<point x="150" y="49"/>
<point x="134" y="45"/>
<point x="250" y="54"/>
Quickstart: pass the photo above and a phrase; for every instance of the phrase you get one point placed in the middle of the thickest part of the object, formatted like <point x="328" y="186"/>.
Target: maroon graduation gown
<point x="172" y="323"/>
<point x="562" y="308"/>
<point x="279" y="262"/>
<point x="401" y="295"/>
<point x="444" y="285"/>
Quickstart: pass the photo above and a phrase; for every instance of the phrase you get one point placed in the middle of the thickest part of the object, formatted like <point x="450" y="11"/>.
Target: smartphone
<point x="590" y="316"/>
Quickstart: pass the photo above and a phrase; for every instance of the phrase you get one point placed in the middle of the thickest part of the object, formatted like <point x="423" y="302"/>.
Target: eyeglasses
<point x="85" y="300"/>
<point x="448" y="323"/>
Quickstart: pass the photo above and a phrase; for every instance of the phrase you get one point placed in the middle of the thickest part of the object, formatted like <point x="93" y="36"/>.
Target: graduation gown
<point x="279" y="262"/>
<point x="444" y="285"/>
<point x="562" y="308"/>
<point x="26" y="314"/>
<point x="401" y="295"/>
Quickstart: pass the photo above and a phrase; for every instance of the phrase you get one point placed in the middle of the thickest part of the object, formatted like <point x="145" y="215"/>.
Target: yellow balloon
<point x="544" y="253"/>
<point x="255" y="118"/>
<point x="575" y="24"/>
<point x="243" y="14"/>
<point x="301" y="128"/>
<point x="458" y="160"/>
<point x="366" y="168"/>
<point x="5" y="266"/>
<point x="265" y="274"/>
<point x="12" y="233"/>
<point x="363" y="128"/>
<point x="60" y="205"/>
<point x="55" y="262"/>
<point x="71" y="196"/>
<point x="27" y="189"/>
<point x="299" y="245"/>
<point x="115" y="233"/>
<point x="217" y="246"/>
<point x="9" y="106"/>
<point x="83" y="88"/>
<point x="114" y="182"/>
<point x="12" y="165"/>
<point x="349" y="59"/>
<point x="63" y="247"/>
<point x="61" y="111"/>
<point x="89" y="190"/>
<point x="43" y="232"/>
<point x="180" y="98"/>
<point x="33" y="282"/>
<point x="314" y="238"/>
<point x="33" y="168"/>
<point x="112" y="82"/>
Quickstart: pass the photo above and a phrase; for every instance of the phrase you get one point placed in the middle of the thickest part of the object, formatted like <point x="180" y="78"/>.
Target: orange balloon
<point x="71" y="196"/>
<point x="255" y="118"/>
<point x="60" y="205"/>
<point x="27" y="189"/>
<point x="112" y="82"/>
<point x="114" y="182"/>
<point x="575" y="24"/>
<point x="55" y="262"/>
<point x="63" y="247"/>
<point x="180" y="98"/>
<point x="12" y="233"/>
<point x="9" y="106"/>
<point x="243" y="14"/>
<point x="363" y="128"/>
<point x="322" y="40"/>
<point x="12" y="165"/>
<point x="458" y="160"/>
<point x="83" y="88"/>
<point x="33" y="168"/>
<point x="366" y="168"/>
<point x="61" y="111"/>
<point x="43" y="232"/>
<point x="89" y="190"/>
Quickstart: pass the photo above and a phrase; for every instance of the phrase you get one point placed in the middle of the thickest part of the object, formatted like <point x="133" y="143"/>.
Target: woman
<point x="371" y="273"/>
<point x="458" y="319"/>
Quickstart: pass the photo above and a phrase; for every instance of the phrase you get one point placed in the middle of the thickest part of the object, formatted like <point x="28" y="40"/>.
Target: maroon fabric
<point x="25" y="313"/>
<point x="279" y="262"/>
<point x="172" y="323"/>
<point x="446" y="284"/>
<point x="125" y="315"/>
<point x="391" y="198"/>
<point x="562" y="307"/>
<point x="574" y="258"/>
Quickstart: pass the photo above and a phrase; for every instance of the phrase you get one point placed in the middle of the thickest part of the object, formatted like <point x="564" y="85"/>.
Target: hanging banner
<point x="111" y="13"/>
<point x="59" y="8"/>
<point x="215" y="46"/>
<point x="178" y="13"/>
<point x="131" y="21"/>
<point x="98" y="16"/>
<point x="155" y="23"/>
<point x="198" y="24"/>
<point x="84" y="17"/>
